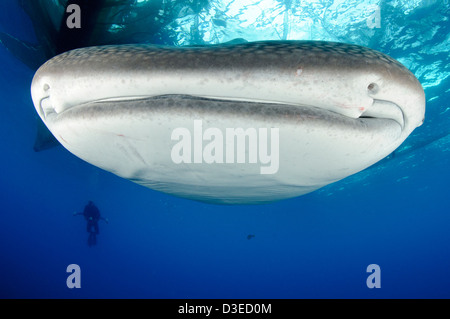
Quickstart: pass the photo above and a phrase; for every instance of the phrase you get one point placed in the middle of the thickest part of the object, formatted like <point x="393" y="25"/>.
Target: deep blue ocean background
<point x="395" y="214"/>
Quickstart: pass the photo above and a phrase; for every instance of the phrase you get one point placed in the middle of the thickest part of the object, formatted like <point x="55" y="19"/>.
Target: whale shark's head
<point x="339" y="108"/>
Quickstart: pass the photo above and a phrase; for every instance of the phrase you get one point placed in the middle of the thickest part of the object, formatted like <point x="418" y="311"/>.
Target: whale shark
<point x="336" y="109"/>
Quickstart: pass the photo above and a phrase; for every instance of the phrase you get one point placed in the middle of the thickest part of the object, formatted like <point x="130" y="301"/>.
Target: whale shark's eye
<point x="372" y="88"/>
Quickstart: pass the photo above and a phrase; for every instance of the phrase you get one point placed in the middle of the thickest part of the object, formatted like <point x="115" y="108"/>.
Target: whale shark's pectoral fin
<point x="31" y="55"/>
<point x="44" y="138"/>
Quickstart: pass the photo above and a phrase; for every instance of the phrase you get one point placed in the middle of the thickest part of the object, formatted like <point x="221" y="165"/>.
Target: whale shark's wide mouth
<point x="385" y="110"/>
<point x="380" y="109"/>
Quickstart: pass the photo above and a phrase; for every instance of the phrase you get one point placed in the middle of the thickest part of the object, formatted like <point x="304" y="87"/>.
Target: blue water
<point x="395" y="214"/>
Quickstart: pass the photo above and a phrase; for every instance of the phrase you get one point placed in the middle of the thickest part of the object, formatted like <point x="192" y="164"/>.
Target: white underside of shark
<point x="307" y="113"/>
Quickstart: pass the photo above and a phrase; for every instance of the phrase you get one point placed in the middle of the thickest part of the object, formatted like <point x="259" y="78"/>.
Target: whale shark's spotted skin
<point x="321" y="51"/>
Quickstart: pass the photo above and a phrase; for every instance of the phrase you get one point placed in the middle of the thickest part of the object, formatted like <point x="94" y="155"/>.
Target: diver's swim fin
<point x="92" y="240"/>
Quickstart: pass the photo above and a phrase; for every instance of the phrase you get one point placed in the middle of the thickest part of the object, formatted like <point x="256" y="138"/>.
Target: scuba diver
<point x="92" y="216"/>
